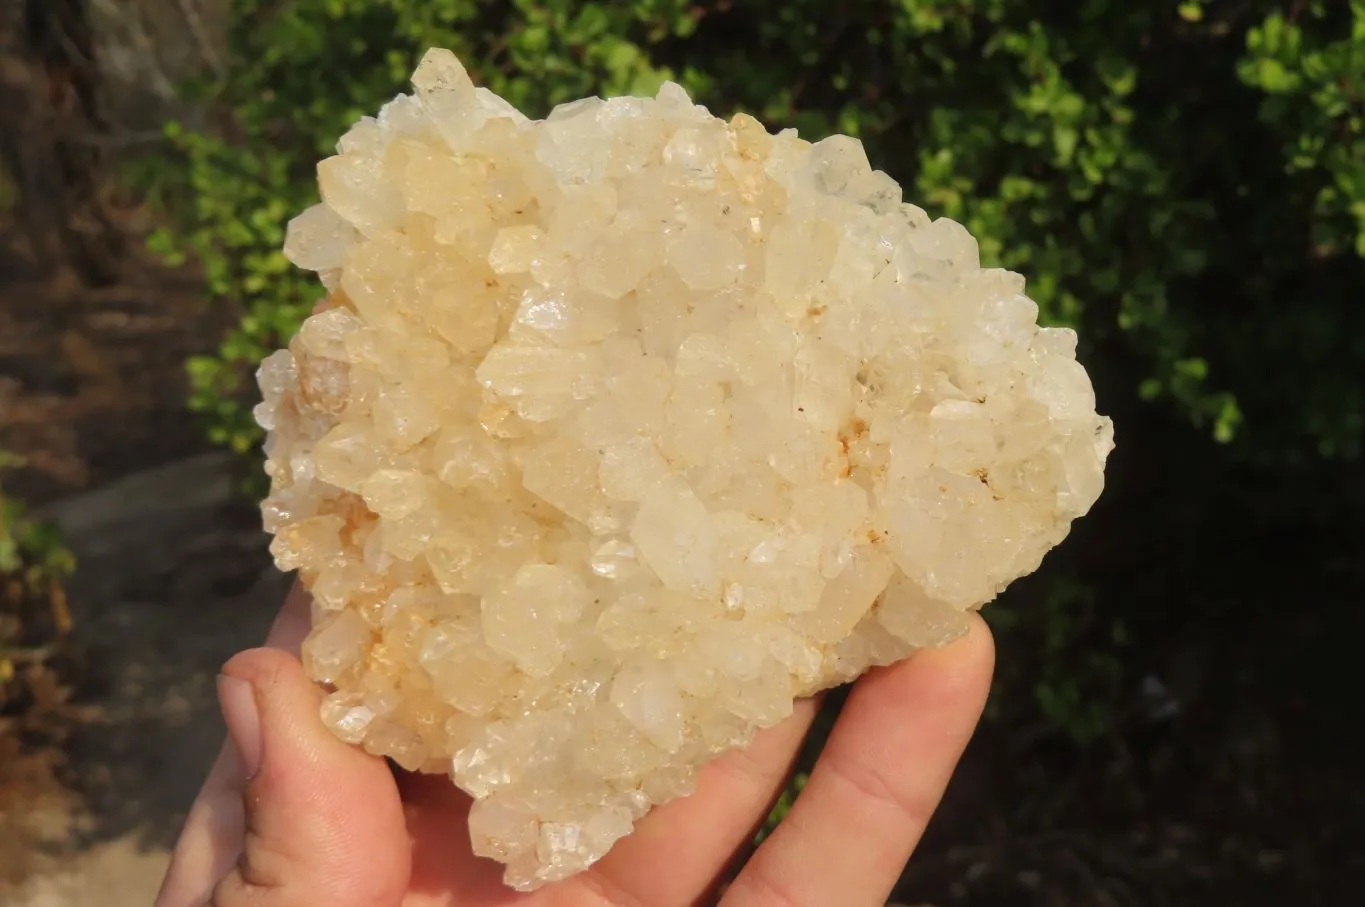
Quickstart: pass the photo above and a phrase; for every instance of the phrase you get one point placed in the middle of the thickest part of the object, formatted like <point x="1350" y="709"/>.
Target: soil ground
<point x="165" y="595"/>
<point x="173" y="578"/>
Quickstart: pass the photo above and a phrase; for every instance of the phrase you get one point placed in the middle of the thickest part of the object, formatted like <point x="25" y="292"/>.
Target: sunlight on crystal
<point x="622" y="430"/>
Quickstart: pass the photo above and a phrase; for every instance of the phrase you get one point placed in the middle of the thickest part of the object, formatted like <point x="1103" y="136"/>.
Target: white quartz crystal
<point x="621" y="430"/>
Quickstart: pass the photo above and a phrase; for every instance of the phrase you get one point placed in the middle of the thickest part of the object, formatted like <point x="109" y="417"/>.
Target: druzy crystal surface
<point x="620" y="430"/>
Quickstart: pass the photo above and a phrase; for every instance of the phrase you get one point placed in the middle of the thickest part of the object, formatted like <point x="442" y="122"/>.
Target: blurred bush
<point x="1185" y="182"/>
<point x="1182" y="181"/>
<point x="34" y="566"/>
<point x="35" y="675"/>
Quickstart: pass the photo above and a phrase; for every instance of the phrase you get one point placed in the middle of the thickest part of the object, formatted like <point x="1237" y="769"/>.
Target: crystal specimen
<point x="620" y="430"/>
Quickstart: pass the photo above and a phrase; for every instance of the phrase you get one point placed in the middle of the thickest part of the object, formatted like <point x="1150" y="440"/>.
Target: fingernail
<point x="238" y="701"/>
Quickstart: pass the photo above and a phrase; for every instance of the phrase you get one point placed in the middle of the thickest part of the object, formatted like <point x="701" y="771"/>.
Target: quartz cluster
<point x="620" y="430"/>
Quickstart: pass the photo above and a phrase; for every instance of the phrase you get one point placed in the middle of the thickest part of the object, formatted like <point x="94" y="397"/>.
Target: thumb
<point x="323" y="823"/>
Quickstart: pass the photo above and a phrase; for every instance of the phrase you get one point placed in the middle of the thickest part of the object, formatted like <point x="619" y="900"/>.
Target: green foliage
<point x="1184" y="181"/>
<point x="34" y="565"/>
<point x="1077" y="645"/>
<point x="308" y="70"/>
<point x="1311" y="73"/>
<point x="1315" y="97"/>
<point x="783" y="805"/>
<point x="29" y="548"/>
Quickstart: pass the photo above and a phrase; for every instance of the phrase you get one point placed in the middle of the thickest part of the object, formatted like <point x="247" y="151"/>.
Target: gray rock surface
<point x="174" y="578"/>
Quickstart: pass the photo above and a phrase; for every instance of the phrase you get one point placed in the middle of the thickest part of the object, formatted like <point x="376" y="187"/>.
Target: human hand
<point x="292" y="817"/>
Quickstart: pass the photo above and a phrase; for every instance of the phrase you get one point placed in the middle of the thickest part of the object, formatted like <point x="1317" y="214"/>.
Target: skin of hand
<point x="292" y="817"/>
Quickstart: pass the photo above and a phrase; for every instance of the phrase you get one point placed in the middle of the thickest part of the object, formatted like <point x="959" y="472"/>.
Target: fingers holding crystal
<point x="621" y="430"/>
<point x="212" y="838"/>
<point x="444" y="869"/>
<point x="878" y="781"/>
<point x="291" y="625"/>
<point x="323" y="821"/>
<point x="694" y="837"/>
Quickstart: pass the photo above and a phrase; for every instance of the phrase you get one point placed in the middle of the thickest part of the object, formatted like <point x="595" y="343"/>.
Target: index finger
<point x="880" y="778"/>
<point x="293" y="622"/>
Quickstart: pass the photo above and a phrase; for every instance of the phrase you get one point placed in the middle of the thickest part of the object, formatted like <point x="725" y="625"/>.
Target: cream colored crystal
<point x="621" y="430"/>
